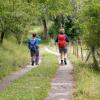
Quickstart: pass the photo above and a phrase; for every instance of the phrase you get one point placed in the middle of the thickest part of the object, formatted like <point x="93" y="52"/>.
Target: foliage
<point x="15" y="18"/>
<point x="88" y="19"/>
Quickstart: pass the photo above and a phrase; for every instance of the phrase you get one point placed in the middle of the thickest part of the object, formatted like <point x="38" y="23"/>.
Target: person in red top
<point x="62" y="40"/>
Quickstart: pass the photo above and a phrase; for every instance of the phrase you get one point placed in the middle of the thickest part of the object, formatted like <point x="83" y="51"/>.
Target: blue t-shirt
<point x="38" y="40"/>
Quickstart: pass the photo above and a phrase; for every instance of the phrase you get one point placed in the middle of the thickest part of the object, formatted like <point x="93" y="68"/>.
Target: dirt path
<point x="62" y="86"/>
<point x="14" y="76"/>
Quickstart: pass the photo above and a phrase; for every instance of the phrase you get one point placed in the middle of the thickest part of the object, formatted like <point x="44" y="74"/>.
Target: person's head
<point x="34" y="35"/>
<point x="61" y="31"/>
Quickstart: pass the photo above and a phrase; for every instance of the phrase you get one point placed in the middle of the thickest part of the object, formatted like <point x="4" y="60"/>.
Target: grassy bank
<point x="87" y="81"/>
<point x="12" y="57"/>
<point x="35" y="84"/>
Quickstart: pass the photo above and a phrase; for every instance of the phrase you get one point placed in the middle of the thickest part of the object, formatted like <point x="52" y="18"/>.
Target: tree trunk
<point x="96" y="66"/>
<point x="73" y="45"/>
<point x="18" y="38"/>
<point x="18" y="41"/>
<point x="73" y="49"/>
<point x="2" y="37"/>
<point x="77" y="49"/>
<point x="45" y="28"/>
<point x="62" y="24"/>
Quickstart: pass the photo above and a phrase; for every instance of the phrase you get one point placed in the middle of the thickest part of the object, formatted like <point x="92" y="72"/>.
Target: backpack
<point x="32" y="45"/>
<point x="62" y="41"/>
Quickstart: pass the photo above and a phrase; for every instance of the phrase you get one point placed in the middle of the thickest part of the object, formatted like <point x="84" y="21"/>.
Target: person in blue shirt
<point x="38" y="40"/>
<point x="33" y="45"/>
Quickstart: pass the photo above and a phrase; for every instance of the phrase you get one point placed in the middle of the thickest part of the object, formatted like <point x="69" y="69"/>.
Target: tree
<point x="15" y="17"/>
<point x="89" y="23"/>
<point x="59" y="10"/>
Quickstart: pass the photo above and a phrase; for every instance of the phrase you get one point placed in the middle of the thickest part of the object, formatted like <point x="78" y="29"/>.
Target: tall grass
<point x="87" y="81"/>
<point x="35" y="84"/>
<point x="12" y="57"/>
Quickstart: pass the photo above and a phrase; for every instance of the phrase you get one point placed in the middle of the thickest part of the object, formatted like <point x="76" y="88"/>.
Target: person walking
<point x="33" y="45"/>
<point x="62" y="41"/>
<point x="38" y="40"/>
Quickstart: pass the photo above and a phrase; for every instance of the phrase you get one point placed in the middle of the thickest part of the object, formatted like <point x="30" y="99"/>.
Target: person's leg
<point x="37" y="57"/>
<point x="61" y="58"/>
<point x="65" y="55"/>
<point x="61" y="55"/>
<point x="32" y="57"/>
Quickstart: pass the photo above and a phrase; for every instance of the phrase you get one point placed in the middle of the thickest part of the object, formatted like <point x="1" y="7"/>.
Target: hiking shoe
<point x="32" y="63"/>
<point x="61" y="62"/>
<point x="37" y="63"/>
<point x="65" y="62"/>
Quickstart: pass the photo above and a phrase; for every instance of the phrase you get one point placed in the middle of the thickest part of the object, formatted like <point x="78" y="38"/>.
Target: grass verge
<point x="87" y="81"/>
<point x="35" y="84"/>
<point x="12" y="57"/>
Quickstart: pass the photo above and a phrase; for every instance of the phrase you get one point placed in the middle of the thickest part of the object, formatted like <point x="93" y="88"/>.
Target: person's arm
<point x="56" y="39"/>
<point x="67" y="39"/>
<point x="39" y="40"/>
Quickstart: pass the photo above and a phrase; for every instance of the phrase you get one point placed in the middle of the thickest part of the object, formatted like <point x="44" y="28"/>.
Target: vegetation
<point x="12" y="57"/>
<point x="35" y="83"/>
<point x="87" y="80"/>
<point x="17" y="19"/>
<point x="88" y="21"/>
<point x="81" y="21"/>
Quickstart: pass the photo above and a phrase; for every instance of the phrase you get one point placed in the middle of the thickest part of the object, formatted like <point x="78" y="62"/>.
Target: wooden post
<point x="82" y="53"/>
<point x="77" y="51"/>
<point x="88" y="56"/>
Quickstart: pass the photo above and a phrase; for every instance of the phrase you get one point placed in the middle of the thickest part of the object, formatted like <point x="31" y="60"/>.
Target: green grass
<point x="12" y="57"/>
<point x="87" y="81"/>
<point x="35" y="84"/>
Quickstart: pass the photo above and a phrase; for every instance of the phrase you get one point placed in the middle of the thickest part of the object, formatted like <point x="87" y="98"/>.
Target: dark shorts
<point x="62" y="50"/>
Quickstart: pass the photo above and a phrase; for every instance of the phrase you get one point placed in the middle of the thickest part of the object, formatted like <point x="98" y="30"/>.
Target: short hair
<point x="61" y="30"/>
<point x="34" y="35"/>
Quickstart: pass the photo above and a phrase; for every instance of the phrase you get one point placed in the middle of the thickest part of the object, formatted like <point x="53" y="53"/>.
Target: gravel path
<point x="62" y="86"/>
<point x="14" y="76"/>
